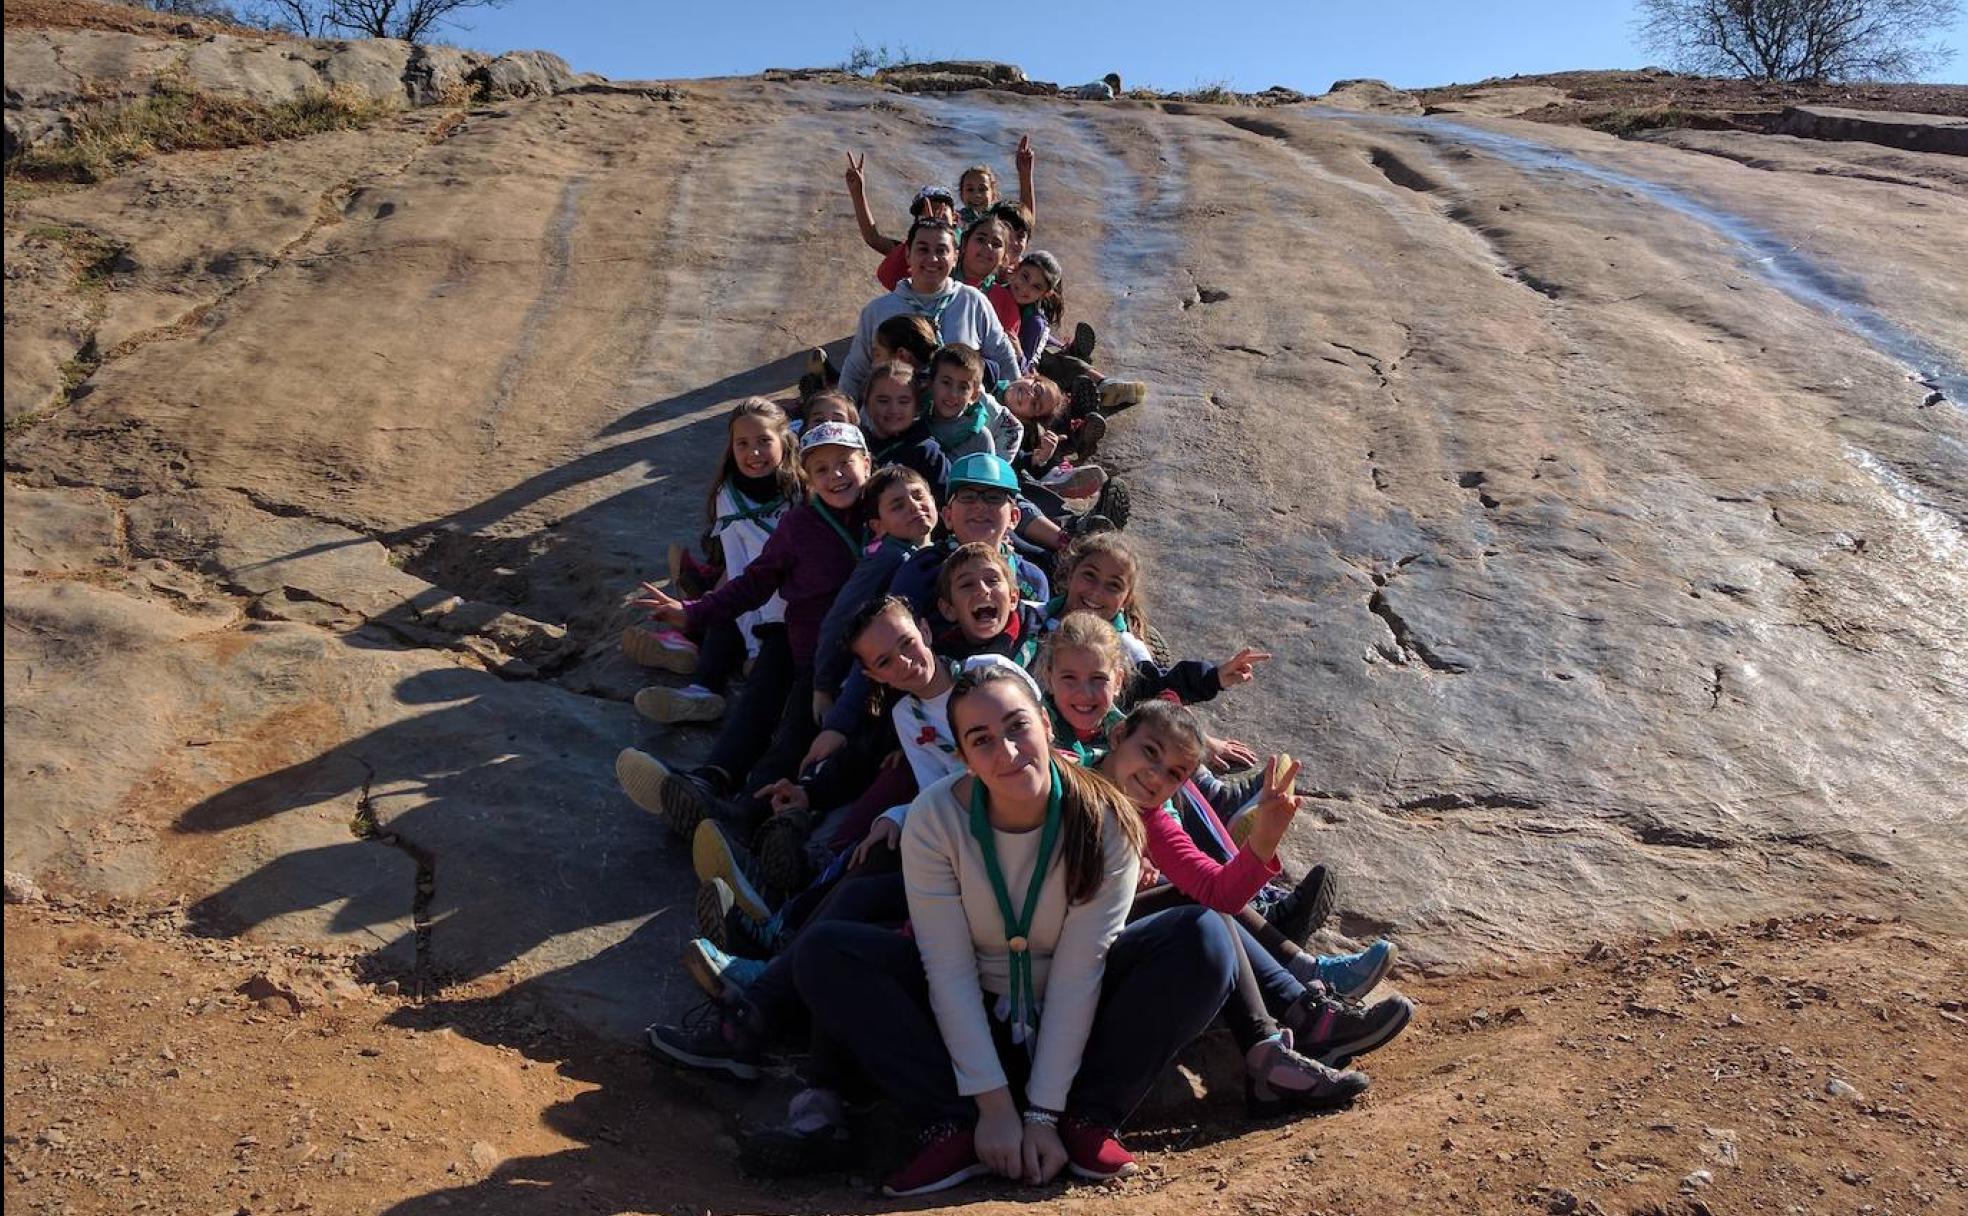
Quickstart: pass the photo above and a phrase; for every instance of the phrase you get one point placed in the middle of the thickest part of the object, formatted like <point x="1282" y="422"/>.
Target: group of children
<point x="958" y="839"/>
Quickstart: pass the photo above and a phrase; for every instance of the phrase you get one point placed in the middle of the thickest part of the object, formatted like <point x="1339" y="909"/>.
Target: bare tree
<point x="410" y="20"/>
<point x="1798" y="40"/>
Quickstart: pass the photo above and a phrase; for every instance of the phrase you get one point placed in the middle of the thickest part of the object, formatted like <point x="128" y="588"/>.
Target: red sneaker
<point x="1093" y="1152"/>
<point x="946" y="1156"/>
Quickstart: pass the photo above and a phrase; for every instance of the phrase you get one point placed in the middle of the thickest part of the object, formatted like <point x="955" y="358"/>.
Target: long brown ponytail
<point x="1087" y="801"/>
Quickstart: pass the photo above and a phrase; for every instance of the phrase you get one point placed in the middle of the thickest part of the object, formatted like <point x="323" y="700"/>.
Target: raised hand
<point x="1239" y="668"/>
<point x="1277" y="804"/>
<point x="1023" y="157"/>
<point x="857" y="177"/>
<point x="662" y="606"/>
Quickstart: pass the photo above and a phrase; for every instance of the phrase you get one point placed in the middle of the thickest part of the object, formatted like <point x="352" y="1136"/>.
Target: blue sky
<point x="1168" y="44"/>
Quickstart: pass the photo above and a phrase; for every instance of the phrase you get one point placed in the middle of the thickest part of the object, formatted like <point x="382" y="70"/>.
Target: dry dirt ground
<point x="1602" y="500"/>
<point x="1810" y="1065"/>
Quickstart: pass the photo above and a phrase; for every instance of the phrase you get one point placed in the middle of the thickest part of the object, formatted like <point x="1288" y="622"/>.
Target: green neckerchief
<point x="1067" y="738"/>
<point x="933" y="315"/>
<point x="764" y="514"/>
<point x="1055" y="610"/>
<point x="840" y="530"/>
<point x="949" y="433"/>
<point x="1024" y="1003"/>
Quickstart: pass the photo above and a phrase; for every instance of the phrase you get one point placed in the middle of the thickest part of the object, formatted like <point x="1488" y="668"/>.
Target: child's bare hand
<point x="825" y="744"/>
<point x="1277" y="803"/>
<point x="857" y="179"/>
<point x="784" y="795"/>
<point x="1048" y="444"/>
<point x="885" y="834"/>
<point x="1024" y="156"/>
<point x="662" y="606"/>
<point x="1239" y="668"/>
<point x="1227" y="755"/>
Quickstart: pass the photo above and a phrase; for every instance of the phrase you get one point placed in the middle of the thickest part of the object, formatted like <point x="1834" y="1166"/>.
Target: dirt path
<point x="1681" y="1076"/>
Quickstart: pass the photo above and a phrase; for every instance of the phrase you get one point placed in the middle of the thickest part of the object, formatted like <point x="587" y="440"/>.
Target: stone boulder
<point x="1368" y="97"/>
<point x="52" y="76"/>
<point x="1914" y="132"/>
<point x="526" y="74"/>
<point x="996" y="73"/>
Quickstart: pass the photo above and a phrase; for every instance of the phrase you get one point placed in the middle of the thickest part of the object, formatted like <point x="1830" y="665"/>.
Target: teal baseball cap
<point x="983" y="469"/>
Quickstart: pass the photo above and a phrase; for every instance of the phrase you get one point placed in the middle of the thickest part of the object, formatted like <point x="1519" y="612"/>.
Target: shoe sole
<point x="643" y="778"/>
<point x="677" y="1055"/>
<point x="710" y="854"/>
<point x="1115" y="502"/>
<point x="942" y="1184"/>
<point x="1324" y="895"/>
<point x="1290" y="1103"/>
<point x="684" y="807"/>
<point x="710" y="909"/>
<point x="782" y="855"/>
<point x="1340" y="1054"/>
<point x="1092" y="430"/>
<point x="644" y="649"/>
<point x="1080" y="1171"/>
<point x="666" y="705"/>
<point x="1081" y="347"/>
<point x="705" y="972"/>
<point x="1085" y="482"/>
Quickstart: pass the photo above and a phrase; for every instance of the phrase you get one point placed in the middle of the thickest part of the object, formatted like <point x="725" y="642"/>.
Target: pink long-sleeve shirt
<point x="1220" y="888"/>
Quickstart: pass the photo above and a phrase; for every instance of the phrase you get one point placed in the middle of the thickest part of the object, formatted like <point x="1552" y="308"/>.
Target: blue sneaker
<point x="1352" y="976"/>
<point x="717" y="973"/>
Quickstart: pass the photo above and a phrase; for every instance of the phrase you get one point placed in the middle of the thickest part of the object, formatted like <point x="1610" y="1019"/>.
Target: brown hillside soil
<point x="1681" y="1075"/>
<point x="1593" y="97"/>
<point x="123" y="18"/>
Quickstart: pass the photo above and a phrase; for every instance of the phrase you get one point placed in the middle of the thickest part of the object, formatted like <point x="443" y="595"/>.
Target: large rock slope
<point x="1615" y="580"/>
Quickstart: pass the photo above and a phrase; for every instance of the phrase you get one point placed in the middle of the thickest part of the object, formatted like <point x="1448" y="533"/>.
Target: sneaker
<point x="1093" y="1152"/>
<point x="1117" y="395"/>
<point x="1085" y="437"/>
<point x="1115" y="502"/>
<point x="1238" y="791"/>
<point x="1083" y="397"/>
<point x="1352" y="976"/>
<point x="720" y="975"/>
<point x="714" y="1037"/>
<point x="813" y="1139"/>
<point x="713" y="854"/>
<point x="1081" y="347"/>
<point x="1090" y="524"/>
<point x="1334" y="1031"/>
<point x="1277" y="1079"/>
<point x="681" y="800"/>
<point x="659" y="646"/>
<point x="1299" y="915"/>
<point x="724" y="924"/>
<point x="689" y="578"/>
<point x="945" y="1156"/>
<point x="660" y="703"/>
<point x="1075" y="481"/>
<point x="782" y="858"/>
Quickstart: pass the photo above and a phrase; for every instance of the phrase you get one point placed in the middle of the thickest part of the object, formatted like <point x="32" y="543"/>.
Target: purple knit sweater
<point x="806" y="562"/>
